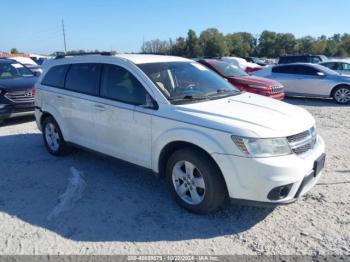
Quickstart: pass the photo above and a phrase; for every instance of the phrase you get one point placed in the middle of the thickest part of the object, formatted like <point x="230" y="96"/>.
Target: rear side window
<point x="305" y="70"/>
<point x="284" y="69"/>
<point x="83" y="78"/>
<point x="119" y="84"/>
<point x="55" y="76"/>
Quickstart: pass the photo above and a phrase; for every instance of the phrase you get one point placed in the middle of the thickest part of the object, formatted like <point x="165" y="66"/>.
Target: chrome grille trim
<point x="302" y="142"/>
<point x="276" y="89"/>
<point x="20" y="96"/>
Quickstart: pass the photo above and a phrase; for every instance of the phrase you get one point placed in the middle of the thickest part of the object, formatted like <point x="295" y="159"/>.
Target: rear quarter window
<point x="55" y="76"/>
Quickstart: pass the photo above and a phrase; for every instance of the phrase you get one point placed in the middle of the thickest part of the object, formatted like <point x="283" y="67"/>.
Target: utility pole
<point x="64" y="37"/>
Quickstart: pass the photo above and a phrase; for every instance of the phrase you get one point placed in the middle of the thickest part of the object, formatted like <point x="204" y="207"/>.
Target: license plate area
<point x="319" y="164"/>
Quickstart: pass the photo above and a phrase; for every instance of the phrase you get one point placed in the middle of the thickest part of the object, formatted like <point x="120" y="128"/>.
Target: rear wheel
<point x="53" y="138"/>
<point x="195" y="181"/>
<point x="342" y="94"/>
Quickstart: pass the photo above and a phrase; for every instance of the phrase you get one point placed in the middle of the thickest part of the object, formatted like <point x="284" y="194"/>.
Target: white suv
<point x="174" y="116"/>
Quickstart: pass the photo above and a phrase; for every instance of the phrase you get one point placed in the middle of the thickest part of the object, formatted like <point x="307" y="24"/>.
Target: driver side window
<point x="119" y="84"/>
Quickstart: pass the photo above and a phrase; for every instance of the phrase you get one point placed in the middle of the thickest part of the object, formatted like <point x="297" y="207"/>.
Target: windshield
<point x="13" y="70"/>
<point x="228" y="70"/>
<point x="186" y="81"/>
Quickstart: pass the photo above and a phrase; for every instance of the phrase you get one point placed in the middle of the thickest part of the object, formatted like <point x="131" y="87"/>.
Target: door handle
<point x="100" y="108"/>
<point x="59" y="96"/>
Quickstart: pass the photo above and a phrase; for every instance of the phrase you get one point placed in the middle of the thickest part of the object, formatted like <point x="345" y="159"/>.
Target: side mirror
<point x="321" y="74"/>
<point x="150" y="103"/>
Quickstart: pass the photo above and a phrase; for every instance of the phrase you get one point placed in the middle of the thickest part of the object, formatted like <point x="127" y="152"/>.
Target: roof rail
<point x="63" y="55"/>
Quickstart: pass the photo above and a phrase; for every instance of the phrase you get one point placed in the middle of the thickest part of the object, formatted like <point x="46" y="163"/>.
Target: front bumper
<point x="252" y="179"/>
<point x="16" y="109"/>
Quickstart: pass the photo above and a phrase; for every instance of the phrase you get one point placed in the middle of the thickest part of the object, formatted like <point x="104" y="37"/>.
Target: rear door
<point x="309" y="82"/>
<point x="55" y="99"/>
<point x="122" y="122"/>
<point x="286" y="76"/>
<point x="82" y="84"/>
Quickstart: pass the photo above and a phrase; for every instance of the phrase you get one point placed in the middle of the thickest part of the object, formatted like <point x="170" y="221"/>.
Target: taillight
<point x="33" y="90"/>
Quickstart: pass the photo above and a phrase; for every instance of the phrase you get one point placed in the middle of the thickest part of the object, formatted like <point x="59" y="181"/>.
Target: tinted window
<point x="305" y="70"/>
<point x="284" y="69"/>
<point x="345" y="66"/>
<point x="333" y="66"/>
<point x="83" y="78"/>
<point x="55" y="76"/>
<point x="119" y="84"/>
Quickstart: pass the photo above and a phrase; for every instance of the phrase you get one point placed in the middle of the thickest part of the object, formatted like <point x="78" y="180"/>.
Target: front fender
<point x="196" y="137"/>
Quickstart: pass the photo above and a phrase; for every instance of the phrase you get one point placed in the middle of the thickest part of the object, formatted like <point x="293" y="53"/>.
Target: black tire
<point x="339" y="88"/>
<point x="215" y="187"/>
<point x="62" y="149"/>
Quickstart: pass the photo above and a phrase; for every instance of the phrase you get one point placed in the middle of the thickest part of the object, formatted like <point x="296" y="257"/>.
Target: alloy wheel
<point x="342" y="95"/>
<point x="52" y="137"/>
<point x="188" y="182"/>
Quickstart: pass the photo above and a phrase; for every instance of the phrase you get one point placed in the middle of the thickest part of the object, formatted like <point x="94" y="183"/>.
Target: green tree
<point x="284" y="44"/>
<point x="14" y="51"/>
<point x="193" y="47"/>
<point x="306" y="45"/>
<point x="267" y="44"/>
<point x="179" y="48"/>
<point x="213" y="43"/>
<point x="240" y="44"/>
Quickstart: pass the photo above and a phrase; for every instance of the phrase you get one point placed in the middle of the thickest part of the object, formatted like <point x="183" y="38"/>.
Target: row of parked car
<point x="313" y="78"/>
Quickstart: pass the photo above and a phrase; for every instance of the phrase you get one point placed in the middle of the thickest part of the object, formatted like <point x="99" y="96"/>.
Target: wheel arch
<point x="339" y="85"/>
<point x="50" y="111"/>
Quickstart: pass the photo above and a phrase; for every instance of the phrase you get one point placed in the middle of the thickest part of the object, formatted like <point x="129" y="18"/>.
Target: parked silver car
<point x="309" y="80"/>
<point x="341" y="66"/>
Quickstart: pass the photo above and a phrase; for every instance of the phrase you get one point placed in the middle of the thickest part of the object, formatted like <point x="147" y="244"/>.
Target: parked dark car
<point x="314" y="59"/>
<point x="244" y="81"/>
<point x="16" y="89"/>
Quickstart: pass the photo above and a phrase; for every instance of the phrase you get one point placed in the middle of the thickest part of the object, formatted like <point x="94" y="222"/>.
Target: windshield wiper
<point x="223" y="93"/>
<point x="188" y="98"/>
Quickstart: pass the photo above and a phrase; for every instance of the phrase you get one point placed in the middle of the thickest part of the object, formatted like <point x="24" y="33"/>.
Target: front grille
<point x="303" y="142"/>
<point x="276" y="89"/>
<point x="20" y="96"/>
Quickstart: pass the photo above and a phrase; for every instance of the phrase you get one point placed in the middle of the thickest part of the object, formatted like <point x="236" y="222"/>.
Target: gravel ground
<point x="126" y="210"/>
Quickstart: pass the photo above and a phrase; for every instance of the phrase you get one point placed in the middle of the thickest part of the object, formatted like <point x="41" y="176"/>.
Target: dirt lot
<point x="126" y="210"/>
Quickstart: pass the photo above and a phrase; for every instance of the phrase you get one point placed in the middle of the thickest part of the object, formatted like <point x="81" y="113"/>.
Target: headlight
<point x="262" y="147"/>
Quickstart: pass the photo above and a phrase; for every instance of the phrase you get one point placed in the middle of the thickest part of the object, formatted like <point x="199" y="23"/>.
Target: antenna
<point x="64" y="36"/>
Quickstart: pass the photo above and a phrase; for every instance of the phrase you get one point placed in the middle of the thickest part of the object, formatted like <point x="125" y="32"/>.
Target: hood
<point x="248" y="115"/>
<point x="17" y="84"/>
<point x="254" y="80"/>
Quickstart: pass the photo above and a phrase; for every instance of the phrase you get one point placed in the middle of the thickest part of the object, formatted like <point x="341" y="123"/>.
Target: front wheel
<point x="342" y="94"/>
<point x="195" y="181"/>
<point x="53" y="138"/>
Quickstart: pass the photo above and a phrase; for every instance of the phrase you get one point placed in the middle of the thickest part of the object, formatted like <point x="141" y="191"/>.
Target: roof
<point x="144" y="59"/>
<point x="318" y="66"/>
